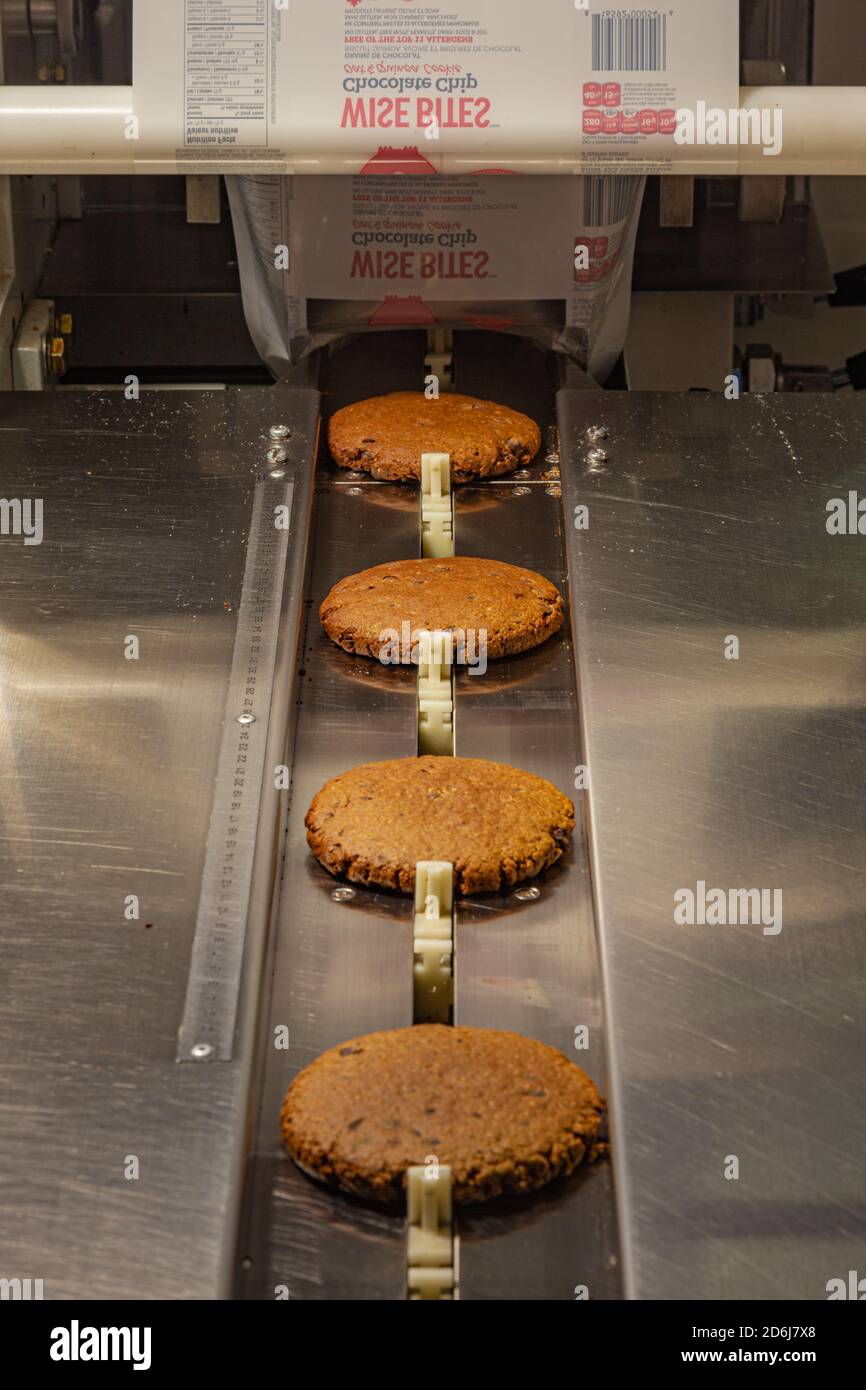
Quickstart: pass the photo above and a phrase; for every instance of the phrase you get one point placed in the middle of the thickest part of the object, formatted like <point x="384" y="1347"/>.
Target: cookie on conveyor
<point x="386" y="436"/>
<point x="506" y="1113"/>
<point x="496" y="824"/>
<point x="514" y="608"/>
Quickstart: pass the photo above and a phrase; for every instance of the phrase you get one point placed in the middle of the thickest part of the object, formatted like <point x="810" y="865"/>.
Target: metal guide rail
<point x="342" y="956"/>
<point x="213" y="987"/>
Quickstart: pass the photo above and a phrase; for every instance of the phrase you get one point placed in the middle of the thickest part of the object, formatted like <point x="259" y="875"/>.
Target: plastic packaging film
<point x="547" y="257"/>
<point x="476" y="90"/>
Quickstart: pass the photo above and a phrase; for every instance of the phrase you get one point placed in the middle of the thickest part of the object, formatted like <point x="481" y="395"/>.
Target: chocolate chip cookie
<point x="496" y="824"/>
<point x="506" y="1113"/>
<point x="515" y="609"/>
<point x="386" y="436"/>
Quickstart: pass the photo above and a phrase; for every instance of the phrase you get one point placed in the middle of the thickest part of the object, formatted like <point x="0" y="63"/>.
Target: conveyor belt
<point x="343" y="967"/>
<point x="708" y="518"/>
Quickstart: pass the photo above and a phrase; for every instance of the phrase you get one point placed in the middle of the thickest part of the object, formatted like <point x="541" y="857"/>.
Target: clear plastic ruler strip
<point x="214" y="981"/>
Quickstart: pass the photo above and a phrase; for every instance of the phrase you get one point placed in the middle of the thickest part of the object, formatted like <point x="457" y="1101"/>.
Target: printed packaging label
<point x="476" y="86"/>
<point x="547" y="257"/>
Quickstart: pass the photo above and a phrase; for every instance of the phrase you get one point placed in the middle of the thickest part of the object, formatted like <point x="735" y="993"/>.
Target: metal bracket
<point x="216" y="966"/>
<point x="33" y="359"/>
<point x="203" y="198"/>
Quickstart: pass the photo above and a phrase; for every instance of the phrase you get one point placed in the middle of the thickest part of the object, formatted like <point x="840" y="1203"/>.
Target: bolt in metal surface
<point x="279" y="432"/>
<point x="528" y="895"/>
<point x="521" y="492"/>
<point x="277" y="473"/>
<point x="595" y="433"/>
<point x="246" y="719"/>
<point x="200" y="1051"/>
<point x="343" y="895"/>
<point x="596" y="457"/>
<point x="277" y="454"/>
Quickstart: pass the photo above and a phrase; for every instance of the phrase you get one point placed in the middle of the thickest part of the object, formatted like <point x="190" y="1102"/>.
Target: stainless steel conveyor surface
<point x="106" y="771"/>
<point x="708" y="521"/>
<point x="343" y="965"/>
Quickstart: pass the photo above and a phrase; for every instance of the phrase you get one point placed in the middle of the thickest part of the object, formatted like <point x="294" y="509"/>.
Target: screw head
<point x="521" y="491"/>
<point x="596" y="457"/>
<point x="528" y="895"/>
<point x="279" y="432"/>
<point x="343" y="895"/>
<point x="246" y="719"/>
<point x="277" y="473"/>
<point x="522" y="473"/>
<point x="201" y="1051"/>
<point x="277" y="454"/>
<point x="596" y="433"/>
<point x="354" y="492"/>
<point x="554" y="490"/>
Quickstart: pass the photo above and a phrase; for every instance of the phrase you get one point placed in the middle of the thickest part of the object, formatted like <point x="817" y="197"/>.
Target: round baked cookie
<point x="496" y="824"/>
<point x="515" y="608"/>
<point x="506" y="1113"/>
<point x="386" y="436"/>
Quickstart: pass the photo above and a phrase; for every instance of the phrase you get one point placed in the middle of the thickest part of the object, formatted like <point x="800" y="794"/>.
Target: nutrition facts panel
<point x="225" y="72"/>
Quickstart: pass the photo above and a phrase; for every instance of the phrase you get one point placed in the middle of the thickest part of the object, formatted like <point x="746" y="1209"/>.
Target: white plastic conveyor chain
<point x="440" y="356"/>
<point x="435" y="694"/>
<point x="433" y="942"/>
<point x="87" y="130"/>
<point x="431" y="1246"/>
<point x="437" y="508"/>
<point x="430" y="1242"/>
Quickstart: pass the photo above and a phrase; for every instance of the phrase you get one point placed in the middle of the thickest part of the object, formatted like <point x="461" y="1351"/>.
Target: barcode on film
<point x="630" y="43"/>
<point x="607" y="198"/>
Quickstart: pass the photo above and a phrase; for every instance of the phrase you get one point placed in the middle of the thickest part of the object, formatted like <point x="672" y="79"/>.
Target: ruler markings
<point x="213" y="984"/>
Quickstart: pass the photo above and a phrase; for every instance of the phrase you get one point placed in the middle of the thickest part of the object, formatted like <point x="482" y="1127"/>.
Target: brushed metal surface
<point x="216" y="966"/>
<point x="342" y="968"/>
<point x="708" y="521"/>
<point x="339" y="968"/>
<point x="107" y="769"/>
<point x="532" y="965"/>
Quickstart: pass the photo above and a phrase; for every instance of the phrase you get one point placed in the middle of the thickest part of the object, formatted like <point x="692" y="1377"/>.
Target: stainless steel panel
<point x="709" y="521"/>
<point x="107" y="770"/>
<point x="532" y="966"/>
<point x="340" y="968"/>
